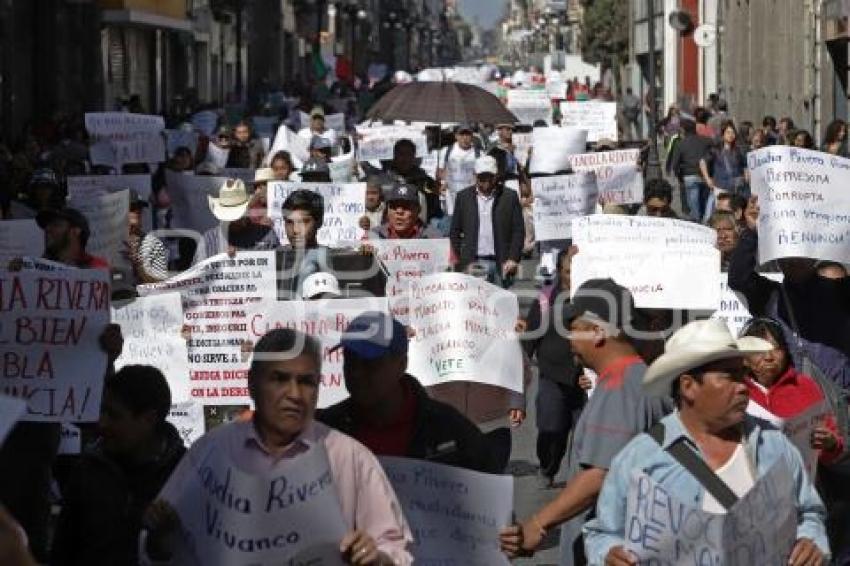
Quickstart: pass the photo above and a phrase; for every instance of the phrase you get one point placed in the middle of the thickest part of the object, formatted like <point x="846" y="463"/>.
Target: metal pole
<point x="653" y="163"/>
<point x="239" y="7"/>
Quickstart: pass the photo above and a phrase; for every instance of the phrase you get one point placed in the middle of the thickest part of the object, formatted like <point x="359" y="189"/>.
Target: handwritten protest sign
<point x="559" y="200"/>
<point x="216" y="295"/>
<point x="661" y="278"/>
<point x="151" y="328"/>
<point x="287" y="140"/>
<point x="378" y="142"/>
<point x="107" y="216"/>
<point x="430" y="163"/>
<point x="19" y="238"/>
<point x="522" y="147"/>
<point x="452" y="512"/>
<point x="125" y="138"/>
<point x="733" y="306"/>
<point x="530" y="105"/>
<point x="406" y="261"/>
<point x="50" y="326"/>
<point x="598" y="118"/>
<point x="556" y="87"/>
<point x="464" y="332"/>
<point x="232" y="518"/>
<point x="617" y="174"/>
<point x="205" y="122"/>
<point x="345" y="204"/>
<point x="189" y="200"/>
<point x="460" y="173"/>
<point x="760" y="528"/>
<point x="616" y="230"/>
<point x="551" y="148"/>
<point x="84" y="186"/>
<point x="325" y="320"/>
<point x="11" y="411"/>
<point x="804" y="203"/>
<point x="188" y="419"/>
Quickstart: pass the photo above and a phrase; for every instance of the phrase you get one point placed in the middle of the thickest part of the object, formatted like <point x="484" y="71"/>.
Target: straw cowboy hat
<point x="694" y="345"/>
<point x="232" y="201"/>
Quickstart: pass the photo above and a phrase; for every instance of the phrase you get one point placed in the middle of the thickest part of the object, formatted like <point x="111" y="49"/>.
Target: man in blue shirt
<point x="703" y="369"/>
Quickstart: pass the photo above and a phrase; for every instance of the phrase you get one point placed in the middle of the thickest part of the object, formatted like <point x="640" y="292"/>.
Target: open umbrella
<point x="441" y="103"/>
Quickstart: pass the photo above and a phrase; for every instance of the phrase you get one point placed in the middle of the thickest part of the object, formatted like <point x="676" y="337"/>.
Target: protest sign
<point x="804" y="203"/>
<point x="230" y="517"/>
<point x="50" y="326"/>
<point x="151" y="327"/>
<point x="216" y="295"/>
<point x="559" y="200"/>
<point x="530" y="106"/>
<point x="175" y="139"/>
<point x="799" y="429"/>
<point x="11" y="410"/>
<point x="551" y="148"/>
<point x="618" y="177"/>
<point x="19" y="238"/>
<point x="287" y="140"/>
<point x="556" y="87"/>
<point x="190" y="205"/>
<point x="188" y="419"/>
<point x="733" y="306"/>
<point x="325" y="320"/>
<point x="658" y="277"/>
<point x="205" y="122"/>
<point x="460" y="173"/>
<point x="378" y="142"/>
<point x="217" y="155"/>
<point x="406" y="261"/>
<point x="335" y="122"/>
<point x="125" y="138"/>
<point x="452" y="512"/>
<point x="84" y="186"/>
<point x="617" y="230"/>
<point x="464" y="332"/>
<point x="430" y="163"/>
<point x="522" y="146"/>
<point x="761" y="528"/>
<point x="598" y="118"/>
<point x="107" y="216"/>
<point x="345" y="204"/>
<point x="342" y="168"/>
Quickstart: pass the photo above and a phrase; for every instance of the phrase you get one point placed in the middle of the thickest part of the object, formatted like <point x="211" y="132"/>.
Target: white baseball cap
<point x="318" y="284"/>
<point x="486" y="164"/>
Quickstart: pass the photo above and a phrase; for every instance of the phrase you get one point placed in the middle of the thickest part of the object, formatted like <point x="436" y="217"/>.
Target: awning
<point x="142" y="18"/>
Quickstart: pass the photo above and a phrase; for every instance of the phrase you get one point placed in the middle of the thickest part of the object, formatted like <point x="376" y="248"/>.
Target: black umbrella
<point x="441" y="103"/>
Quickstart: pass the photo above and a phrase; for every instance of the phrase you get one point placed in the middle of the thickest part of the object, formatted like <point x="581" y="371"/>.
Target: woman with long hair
<point x="835" y="138"/>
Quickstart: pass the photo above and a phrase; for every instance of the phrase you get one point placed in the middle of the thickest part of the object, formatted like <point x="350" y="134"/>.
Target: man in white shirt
<point x="456" y="166"/>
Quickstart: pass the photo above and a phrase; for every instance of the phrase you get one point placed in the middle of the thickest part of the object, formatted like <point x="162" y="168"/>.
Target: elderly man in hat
<point x="598" y="320"/>
<point x="710" y="453"/>
<point x="243" y="223"/>
<point x="403" y="221"/>
<point x="487" y="231"/>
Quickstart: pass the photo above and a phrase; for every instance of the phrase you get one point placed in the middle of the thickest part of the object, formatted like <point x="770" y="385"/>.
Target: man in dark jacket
<point x="117" y="478"/>
<point x="487" y="226"/>
<point x="688" y="163"/>
<point x="404" y="167"/>
<point x="390" y="412"/>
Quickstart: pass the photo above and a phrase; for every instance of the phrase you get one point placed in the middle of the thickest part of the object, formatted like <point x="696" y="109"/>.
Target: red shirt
<point x="392" y="439"/>
<point x="94" y="262"/>
<point x="790" y="395"/>
<point x="613" y="375"/>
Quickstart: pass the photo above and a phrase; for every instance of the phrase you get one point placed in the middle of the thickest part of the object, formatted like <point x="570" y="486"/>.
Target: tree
<point x="605" y="32"/>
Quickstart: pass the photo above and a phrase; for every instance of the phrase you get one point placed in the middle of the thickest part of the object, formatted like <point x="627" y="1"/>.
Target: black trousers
<point x="558" y="406"/>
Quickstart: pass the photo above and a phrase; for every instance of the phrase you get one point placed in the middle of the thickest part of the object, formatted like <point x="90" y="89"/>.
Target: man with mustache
<point x="709" y="437"/>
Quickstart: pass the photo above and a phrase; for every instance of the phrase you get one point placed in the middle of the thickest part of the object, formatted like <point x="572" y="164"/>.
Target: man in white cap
<point x="243" y="224"/>
<point x="321" y="285"/>
<point x="487" y="231"/>
<point x="706" y="456"/>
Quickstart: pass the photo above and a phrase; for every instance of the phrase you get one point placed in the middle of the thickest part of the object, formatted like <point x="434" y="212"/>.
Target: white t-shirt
<point x="737" y="473"/>
<point x="460" y="171"/>
<point x="307" y="134"/>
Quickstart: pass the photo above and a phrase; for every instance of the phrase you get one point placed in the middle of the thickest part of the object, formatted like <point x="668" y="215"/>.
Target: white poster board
<point x="287" y="140"/>
<point x="530" y="106"/>
<point x="151" y="327"/>
<point x="598" y="118"/>
<point x="804" y="203"/>
<point x="551" y="148"/>
<point x="480" y="506"/>
<point x="615" y="231"/>
<point x="107" y="217"/>
<point x="84" y="186"/>
<point x="464" y="332"/>
<point x="618" y="176"/>
<point x="188" y="419"/>
<point x="378" y="142"/>
<point x="345" y="204"/>
<point x="123" y="137"/>
<point x="558" y="201"/>
<point x="50" y="328"/>
<point x="19" y="238"/>
<point x="205" y="122"/>
<point x="190" y="205"/>
<point x="11" y="411"/>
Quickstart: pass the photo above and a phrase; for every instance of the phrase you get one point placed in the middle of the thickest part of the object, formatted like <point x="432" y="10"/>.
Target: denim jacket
<point x="764" y="444"/>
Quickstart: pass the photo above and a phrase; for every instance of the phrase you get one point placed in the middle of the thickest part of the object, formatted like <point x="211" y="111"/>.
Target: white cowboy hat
<point x="264" y="175"/>
<point x="694" y="345"/>
<point x="232" y="201"/>
<point x="319" y="283"/>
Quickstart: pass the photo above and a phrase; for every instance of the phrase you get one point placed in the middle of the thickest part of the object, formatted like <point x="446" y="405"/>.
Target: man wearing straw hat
<point x="707" y="455"/>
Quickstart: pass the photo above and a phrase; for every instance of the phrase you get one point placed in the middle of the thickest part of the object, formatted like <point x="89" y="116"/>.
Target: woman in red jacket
<point x="777" y="387"/>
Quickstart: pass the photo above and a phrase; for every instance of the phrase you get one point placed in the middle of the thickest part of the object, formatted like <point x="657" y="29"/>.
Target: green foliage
<point x="605" y="31"/>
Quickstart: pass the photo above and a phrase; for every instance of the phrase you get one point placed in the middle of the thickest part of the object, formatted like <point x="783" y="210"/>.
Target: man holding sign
<point x="284" y="385"/>
<point x="687" y="480"/>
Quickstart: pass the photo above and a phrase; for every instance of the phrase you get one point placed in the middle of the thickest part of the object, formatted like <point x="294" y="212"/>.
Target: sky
<point x="488" y="11"/>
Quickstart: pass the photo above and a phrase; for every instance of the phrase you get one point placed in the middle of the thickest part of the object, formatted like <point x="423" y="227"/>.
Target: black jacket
<point x="821" y="306"/>
<point x="508" y="226"/>
<point x="425" y="185"/>
<point x="685" y="158"/>
<point x="554" y="355"/>
<point x="103" y="503"/>
<point x="440" y="433"/>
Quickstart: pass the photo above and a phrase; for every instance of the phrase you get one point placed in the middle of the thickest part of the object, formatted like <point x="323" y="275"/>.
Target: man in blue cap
<point x="390" y="412"/>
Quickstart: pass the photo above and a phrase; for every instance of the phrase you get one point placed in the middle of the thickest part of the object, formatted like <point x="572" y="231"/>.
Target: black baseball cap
<point x="73" y="216"/>
<point x="401" y="192"/>
<point x="602" y="300"/>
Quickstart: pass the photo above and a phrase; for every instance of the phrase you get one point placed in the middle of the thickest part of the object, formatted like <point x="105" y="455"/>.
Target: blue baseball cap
<point x="373" y="335"/>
